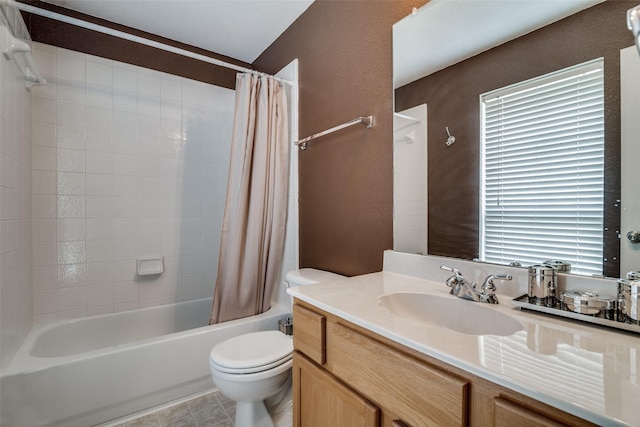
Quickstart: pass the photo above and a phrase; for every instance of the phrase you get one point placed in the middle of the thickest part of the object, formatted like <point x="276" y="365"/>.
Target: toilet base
<point x="252" y="414"/>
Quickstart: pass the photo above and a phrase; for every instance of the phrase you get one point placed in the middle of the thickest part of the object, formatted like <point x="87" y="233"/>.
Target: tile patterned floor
<point x="210" y="410"/>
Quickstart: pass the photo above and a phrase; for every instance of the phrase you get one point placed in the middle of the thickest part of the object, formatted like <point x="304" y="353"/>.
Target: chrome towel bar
<point x="368" y="121"/>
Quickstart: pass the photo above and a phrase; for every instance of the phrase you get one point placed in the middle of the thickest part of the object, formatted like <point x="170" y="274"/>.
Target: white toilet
<point x="252" y="367"/>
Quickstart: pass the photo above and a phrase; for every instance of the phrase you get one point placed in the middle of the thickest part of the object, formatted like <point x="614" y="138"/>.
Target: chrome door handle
<point x="633" y="236"/>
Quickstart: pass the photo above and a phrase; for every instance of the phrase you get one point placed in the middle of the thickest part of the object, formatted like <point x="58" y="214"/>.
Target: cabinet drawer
<point x="309" y="333"/>
<point x="507" y="414"/>
<point x="419" y="394"/>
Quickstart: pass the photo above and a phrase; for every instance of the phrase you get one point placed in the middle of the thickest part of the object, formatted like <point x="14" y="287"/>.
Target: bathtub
<point x="88" y="371"/>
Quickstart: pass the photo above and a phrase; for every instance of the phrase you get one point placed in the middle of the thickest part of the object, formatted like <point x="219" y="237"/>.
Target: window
<point x="542" y="170"/>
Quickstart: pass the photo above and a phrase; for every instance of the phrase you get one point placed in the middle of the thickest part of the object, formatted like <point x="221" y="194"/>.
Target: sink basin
<point x="467" y="317"/>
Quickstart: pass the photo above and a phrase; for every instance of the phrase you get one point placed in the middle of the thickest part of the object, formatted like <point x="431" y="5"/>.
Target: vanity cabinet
<point x="345" y="375"/>
<point x="323" y="401"/>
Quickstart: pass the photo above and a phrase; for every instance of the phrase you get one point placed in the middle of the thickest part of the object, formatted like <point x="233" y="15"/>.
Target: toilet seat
<point x="252" y="352"/>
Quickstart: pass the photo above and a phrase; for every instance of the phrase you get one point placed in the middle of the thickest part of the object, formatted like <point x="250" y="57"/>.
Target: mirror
<point x="448" y="53"/>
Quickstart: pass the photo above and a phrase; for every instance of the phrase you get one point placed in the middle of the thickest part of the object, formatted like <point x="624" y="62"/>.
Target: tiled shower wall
<point x="15" y="205"/>
<point x="127" y="162"/>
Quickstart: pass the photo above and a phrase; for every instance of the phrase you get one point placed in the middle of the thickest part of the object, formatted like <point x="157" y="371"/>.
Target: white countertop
<point x="589" y="371"/>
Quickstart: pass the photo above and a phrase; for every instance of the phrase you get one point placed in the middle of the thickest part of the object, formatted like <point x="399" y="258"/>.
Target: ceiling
<point x="444" y="32"/>
<point x="240" y="29"/>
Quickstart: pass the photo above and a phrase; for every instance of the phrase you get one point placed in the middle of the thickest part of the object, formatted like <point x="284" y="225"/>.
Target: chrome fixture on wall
<point x="633" y="23"/>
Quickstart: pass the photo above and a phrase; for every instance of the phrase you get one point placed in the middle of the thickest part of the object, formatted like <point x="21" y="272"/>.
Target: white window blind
<point x="542" y="170"/>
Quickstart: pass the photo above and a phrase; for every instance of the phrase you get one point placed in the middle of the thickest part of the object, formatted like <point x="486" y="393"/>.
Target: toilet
<point x="253" y="367"/>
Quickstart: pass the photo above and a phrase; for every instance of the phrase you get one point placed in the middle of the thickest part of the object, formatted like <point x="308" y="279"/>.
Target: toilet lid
<point x="252" y="352"/>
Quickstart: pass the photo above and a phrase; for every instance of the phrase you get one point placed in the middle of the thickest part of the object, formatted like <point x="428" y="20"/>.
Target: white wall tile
<point x="45" y="301"/>
<point x="71" y="183"/>
<point x="98" y="117"/>
<point x="149" y="125"/>
<point x="99" y="97"/>
<point x="149" y="246"/>
<point x="124" y="270"/>
<point x="149" y="105"/>
<point x="125" y="79"/>
<point x="99" y="228"/>
<point x="99" y="250"/>
<point x="125" y="122"/>
<point x="149" y="207"/>
<point x="99" y="162"/>
<point x="71" y="92"/>
<point x="17" y="110"/>
<point x="44" y="182"/>
<point x="99" y="207"/>
<point x="70" y="160"/>
<point x="125" y="207"/>
<point x="126" y="163"/>
<point x="71" y="229"/>
<point x="149" y="84"/>
<point x="72" y="252"/>
<point x="45" y="277"/>
<point x="70" y="114"/>
<point x="44" y="158"/>
<point x="70" y="137"/>
<point x="43" y="206"/>
<point x="125" y="291"/>
<point x="99" y="74"/>
<point x="45" y="254"/>
<point x="44" y="110"/>
<point x="99" y="184"/>
<point x="125" y="185"/>
<point x="99" y="272"/>
<point x="72" y="298"/>
<point x="150" y="287"/>
<point x="72" y="275"/>
<point x="171" y="89"/>
<point x="70" y="67"/>
<point x="124" y="101"/>
<point x="44" y="134"/>
<point x="125" y="249"/>
<point x="100" y="295"/>
<point x="70" y="206"/>
<point x="45" y="59"/>
<point x="149" y="228"/>
<point x="125" y="228"/>
<point x="98" y="140"/>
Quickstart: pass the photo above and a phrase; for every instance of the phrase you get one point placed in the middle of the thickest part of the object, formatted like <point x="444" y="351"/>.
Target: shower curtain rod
<point x="137" y="39"/>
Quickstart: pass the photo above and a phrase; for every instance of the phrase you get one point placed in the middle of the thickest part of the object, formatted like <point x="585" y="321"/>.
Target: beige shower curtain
<point x="255" y="213"/>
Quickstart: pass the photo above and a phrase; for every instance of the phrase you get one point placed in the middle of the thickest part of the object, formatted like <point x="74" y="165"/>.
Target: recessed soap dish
<point x="149" y="266"/>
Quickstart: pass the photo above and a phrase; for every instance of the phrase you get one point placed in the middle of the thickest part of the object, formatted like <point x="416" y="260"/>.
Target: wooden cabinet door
<point x="320" y="400"/>
<point x="509" y="414"/>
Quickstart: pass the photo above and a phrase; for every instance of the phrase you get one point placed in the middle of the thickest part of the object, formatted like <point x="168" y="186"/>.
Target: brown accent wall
<point x="452" y="99"/>
<point x="346" y="178"/>
<point x="56" y="33"/>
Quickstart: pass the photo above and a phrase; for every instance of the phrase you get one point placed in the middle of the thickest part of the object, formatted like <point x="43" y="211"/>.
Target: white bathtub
<point x="88" y="371"/>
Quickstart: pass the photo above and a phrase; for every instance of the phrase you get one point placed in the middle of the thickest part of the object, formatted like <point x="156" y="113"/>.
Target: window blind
<point x="542" y="170"/>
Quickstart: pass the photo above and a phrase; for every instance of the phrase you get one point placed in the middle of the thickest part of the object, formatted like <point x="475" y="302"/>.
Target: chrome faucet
<point x="489" y="288"/>
<point x="462" y="288"/>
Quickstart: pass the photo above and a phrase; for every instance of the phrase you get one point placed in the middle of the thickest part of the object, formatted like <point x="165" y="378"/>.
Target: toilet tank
<point x="309" y="276"/>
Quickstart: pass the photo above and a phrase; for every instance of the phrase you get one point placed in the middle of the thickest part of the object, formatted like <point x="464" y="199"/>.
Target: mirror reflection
<point x="438" y="179"/>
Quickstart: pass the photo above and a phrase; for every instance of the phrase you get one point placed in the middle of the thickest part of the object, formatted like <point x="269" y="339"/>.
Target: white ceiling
<point x="240" y="29"/>
<point x="445" y="32"/>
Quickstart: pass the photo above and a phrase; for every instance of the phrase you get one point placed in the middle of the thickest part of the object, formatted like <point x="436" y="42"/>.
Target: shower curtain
<point x="253" y="232"/>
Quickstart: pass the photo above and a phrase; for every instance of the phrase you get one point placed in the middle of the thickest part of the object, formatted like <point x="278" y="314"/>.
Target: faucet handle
<point x="488" y="284"/>
<point x="451" y="269"/>
<point x="489" y="288"/>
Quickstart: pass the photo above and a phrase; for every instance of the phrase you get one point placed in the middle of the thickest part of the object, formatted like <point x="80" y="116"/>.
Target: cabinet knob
<point x="633" y="236"/>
